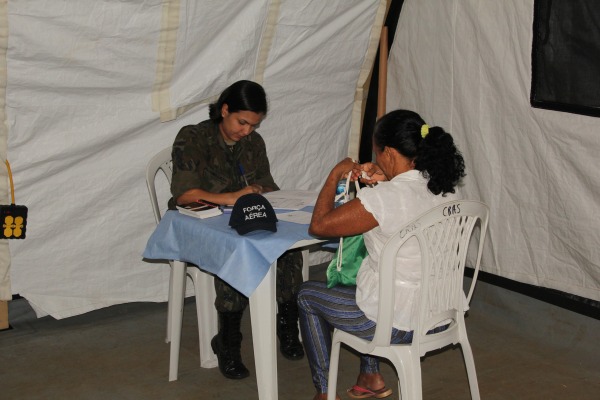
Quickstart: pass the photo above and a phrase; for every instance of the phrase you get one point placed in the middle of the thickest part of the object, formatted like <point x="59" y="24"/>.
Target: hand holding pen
<point x="253" y="188"/>
<point x="250" y="188"/>
<point x="243" y="173"/>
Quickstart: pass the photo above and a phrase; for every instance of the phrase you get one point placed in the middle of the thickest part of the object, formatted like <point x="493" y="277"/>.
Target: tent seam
<point x="364" y="79"/>
<point x="165" y="61"/>
<point x="266" y="40"/>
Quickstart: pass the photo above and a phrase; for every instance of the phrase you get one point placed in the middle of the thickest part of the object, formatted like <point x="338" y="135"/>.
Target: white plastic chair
<point x="443" y="233"/>
<point x="203" y="282"/>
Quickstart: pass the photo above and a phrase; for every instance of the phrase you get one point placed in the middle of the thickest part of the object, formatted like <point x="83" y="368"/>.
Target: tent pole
<point x="3" y="315"/>
<point x="382" y="83"/>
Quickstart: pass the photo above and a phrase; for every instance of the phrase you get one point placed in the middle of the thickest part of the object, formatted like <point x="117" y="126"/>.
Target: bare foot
<point x="372" y="384"/>
<point x="372" y="381"/>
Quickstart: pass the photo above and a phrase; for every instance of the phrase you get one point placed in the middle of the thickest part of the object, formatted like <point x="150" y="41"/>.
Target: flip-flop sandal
<point x="366" y="393"/>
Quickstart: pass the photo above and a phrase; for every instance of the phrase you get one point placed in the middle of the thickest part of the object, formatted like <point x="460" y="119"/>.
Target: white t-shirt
<point x="393" y="204"/>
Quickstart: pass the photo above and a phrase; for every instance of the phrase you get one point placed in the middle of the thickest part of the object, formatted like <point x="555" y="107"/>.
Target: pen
<point x="243" y="174"/>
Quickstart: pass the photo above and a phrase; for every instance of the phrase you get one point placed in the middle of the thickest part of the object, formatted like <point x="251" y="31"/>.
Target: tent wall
<point x="5" y="288"/>
<point x="88" y="86"/>
<point x="466" y="66"/>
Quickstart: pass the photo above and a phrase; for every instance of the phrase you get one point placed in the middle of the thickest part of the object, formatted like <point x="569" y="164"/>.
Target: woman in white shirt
<point x="417" y="168"/>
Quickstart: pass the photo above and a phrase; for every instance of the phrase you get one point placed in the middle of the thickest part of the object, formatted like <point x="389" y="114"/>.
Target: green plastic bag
<point x="343" y="268"/>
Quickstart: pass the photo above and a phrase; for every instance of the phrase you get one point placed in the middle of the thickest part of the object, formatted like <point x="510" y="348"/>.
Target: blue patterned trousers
<point x="322" y="309"/>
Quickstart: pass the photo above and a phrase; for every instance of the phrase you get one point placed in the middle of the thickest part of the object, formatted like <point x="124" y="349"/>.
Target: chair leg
<point x="204" y="291"/>
<point x="334" y="360"/>
<point x="403" y="377"/>
<point x="400" y="397"/>
<point x="305" y="266"/>
<point x="471" y="372"/>
<point x="169" y="305"/>
<point x="178" y="284"/>
<point x="408" y="367"/>
<point x="416" y="389"/>
<point x="305" y="276"/>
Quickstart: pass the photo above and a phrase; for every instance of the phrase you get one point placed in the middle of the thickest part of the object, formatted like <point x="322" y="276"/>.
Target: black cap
<point x="252" y="212"/>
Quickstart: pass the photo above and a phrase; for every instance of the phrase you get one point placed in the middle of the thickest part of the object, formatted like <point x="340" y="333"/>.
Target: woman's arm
<point x="262" y="171"/>
<point x="346" y="220"/>
<point x="228" y="198"/>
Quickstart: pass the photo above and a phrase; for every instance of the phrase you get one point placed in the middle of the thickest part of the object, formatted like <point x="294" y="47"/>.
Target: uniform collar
<point x="237" y="148"/>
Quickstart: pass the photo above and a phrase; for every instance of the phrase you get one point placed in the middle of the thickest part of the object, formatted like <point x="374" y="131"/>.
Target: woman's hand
<point x="344" y="169"/>
<point x="348" y="219"/>
<point x="254" y="188"/>
<point x="369" y="173"/>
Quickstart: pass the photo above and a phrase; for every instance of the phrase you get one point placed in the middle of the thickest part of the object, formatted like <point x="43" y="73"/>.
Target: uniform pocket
<point x="216" y="180"/>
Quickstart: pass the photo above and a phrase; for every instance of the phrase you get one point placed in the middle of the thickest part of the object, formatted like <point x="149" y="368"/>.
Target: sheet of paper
<point x="291" y="199"/>
<point x="297" y="217"/>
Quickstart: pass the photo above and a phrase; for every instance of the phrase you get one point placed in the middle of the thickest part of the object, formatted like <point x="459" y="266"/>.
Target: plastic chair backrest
<point x="444" y="234"/>
<point x="160" y="162"/>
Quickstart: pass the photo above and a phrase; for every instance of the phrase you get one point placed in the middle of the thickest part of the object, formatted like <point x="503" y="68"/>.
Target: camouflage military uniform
<point x="201" y="159"/>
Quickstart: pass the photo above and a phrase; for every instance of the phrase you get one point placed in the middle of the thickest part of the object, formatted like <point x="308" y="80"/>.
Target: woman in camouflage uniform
<point x="219" y="160"/>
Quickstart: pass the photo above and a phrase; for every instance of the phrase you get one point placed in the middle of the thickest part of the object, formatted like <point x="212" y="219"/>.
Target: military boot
<point x="227" y="346"/>
<point x="287" y="331"/>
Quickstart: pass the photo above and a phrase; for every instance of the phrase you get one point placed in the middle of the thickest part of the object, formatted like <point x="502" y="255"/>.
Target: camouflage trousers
<point x="289" y="279"/>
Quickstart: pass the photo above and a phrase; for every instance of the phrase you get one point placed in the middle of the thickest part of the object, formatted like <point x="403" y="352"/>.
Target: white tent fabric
<point x="5" y="288"/>
<point x="466" y="66"/>
<point x="88" y="85"/>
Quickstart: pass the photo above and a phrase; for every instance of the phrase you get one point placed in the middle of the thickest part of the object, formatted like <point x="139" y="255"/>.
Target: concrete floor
<point x="523" y="348"/>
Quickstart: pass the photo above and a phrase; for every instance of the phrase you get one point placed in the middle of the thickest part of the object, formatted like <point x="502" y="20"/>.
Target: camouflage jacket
<point x="201" y="159"/>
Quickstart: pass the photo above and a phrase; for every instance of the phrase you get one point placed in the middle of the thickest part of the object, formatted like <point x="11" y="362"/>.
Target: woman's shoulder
<point x="202" y="128"/>
<point x="413" y="175"/>
<point x="199" y="132"/>
<point x="408" y="181"/>
<point x="254" y="139"/>
<point x="402" y="189"/>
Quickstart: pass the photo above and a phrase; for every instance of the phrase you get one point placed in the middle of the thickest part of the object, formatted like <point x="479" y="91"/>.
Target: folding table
<point x="245" y="262"/>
